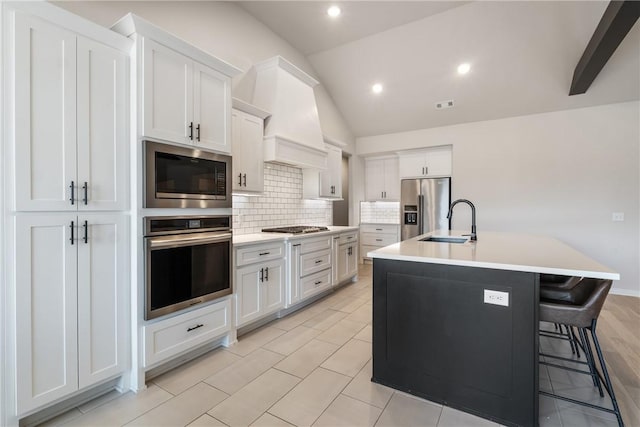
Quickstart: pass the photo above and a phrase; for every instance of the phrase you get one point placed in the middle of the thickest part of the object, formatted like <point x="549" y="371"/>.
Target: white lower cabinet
<point x="376" y="236"/>
<point x="71" y="310"/>
<point x="346" y="265"/>
<point x="310" y="267"/>
<point x="167" y="338"/>
<point x="259" y="283"/>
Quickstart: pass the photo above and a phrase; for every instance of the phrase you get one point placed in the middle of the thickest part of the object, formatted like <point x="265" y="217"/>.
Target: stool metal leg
<point x="605" y="372"/>
<point x="586" y="346"/>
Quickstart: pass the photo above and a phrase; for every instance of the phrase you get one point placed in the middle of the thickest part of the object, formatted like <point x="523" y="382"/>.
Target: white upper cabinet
<point x="167" y="94"/>
<point x="184" y="101"/>
<point x="427" y="163"/>
<point x="324" y="184"/>
<point x="70" y="121"/>
<point x="186" y="93"/>
<point x="247" y="133"/>
<point x="382" y="181"/>
<point x="211" y="108"/>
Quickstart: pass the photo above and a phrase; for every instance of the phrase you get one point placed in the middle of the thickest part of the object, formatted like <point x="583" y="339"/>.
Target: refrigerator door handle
<point x="420" y="214"/>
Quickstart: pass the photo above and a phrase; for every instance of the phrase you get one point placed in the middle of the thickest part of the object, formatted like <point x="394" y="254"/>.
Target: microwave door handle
<point x="165" y="242"/>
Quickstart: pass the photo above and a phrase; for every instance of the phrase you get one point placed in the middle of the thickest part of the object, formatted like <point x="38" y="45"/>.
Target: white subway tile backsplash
<point x="281" y="204"/>
<point x="380" y="212"/>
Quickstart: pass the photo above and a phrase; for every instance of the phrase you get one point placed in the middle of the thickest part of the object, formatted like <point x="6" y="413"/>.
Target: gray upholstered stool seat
<point x="580" y="307"/>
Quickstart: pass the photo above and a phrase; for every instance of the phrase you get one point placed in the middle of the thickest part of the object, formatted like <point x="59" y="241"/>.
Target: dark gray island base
<point x="435" y="337"/>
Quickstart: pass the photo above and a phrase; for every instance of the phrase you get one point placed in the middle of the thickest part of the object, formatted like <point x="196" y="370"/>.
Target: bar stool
<point x="581" y="309"/>
<point x="555" y="287"/>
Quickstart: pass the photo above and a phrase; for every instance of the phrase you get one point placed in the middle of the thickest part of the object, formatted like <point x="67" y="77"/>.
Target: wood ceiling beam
<point x="616" y="22"/>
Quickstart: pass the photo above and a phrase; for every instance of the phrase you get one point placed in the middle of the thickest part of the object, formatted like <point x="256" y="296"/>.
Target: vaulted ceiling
<point x="522" y="56"/>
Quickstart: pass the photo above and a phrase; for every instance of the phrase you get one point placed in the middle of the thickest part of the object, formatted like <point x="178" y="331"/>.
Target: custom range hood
<point x="292" y="134"/>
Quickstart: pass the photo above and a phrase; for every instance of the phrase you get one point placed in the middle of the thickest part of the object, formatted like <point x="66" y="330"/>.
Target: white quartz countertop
<point x="248" y="239"/>
<point x="502" y="251"/>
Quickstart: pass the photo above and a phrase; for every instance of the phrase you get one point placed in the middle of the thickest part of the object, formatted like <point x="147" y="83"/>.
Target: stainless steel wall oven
<point x="182" y="177"/>
<point x="188" y="261"/>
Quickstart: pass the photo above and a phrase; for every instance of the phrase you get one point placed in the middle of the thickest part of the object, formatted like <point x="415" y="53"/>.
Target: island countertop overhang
<point x="501" y="251"/>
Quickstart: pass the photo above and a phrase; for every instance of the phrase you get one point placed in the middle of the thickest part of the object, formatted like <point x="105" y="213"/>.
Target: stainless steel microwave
<point x="182" y="177"/>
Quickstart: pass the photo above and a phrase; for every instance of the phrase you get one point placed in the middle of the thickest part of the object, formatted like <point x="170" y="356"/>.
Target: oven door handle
<point x="192" y="239"/>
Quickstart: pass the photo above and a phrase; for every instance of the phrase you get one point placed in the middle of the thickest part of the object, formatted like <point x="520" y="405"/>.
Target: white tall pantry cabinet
<point x="65" y="206"/>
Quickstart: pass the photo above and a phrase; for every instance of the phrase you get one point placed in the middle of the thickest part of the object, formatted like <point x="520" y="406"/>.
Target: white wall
<point x="560" y="174"/>
<point x="226" y="31"/>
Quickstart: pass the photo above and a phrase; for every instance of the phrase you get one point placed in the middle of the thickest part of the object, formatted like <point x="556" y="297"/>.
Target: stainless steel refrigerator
<point x="424" y="204"/>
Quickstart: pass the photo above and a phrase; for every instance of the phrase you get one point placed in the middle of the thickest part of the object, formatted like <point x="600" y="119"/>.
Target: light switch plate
<point x="496" y="297"/>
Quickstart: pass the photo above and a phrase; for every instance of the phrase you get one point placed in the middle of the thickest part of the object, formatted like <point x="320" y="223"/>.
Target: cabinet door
<point x="438" y="161"/>
<point x="248" y="158"/>
<point x="343" y="262"/>
<point x="273" y="287"/>
<point x="102" y="309"/>
<point x="46" y="315"/>
<point x="352" y="261"/>
<point x="374" y="179"/>
<point x="335" y="256"/>
<point x="212" y="109"/>
<point x="331" y="179"/>
<point x="167" y="93"/>
<point x="391" y="180"/>
<point x="102" y="127"/>
<point x="412" y="166"/>
<point x="45" y="115"/>
<point x="248" y="287"/>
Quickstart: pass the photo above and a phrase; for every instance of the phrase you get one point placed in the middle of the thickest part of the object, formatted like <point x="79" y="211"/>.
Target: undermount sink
<point x="444" y="239"/>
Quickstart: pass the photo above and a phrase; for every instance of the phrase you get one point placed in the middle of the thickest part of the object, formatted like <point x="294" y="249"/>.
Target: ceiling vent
<point x="444" y="104"/>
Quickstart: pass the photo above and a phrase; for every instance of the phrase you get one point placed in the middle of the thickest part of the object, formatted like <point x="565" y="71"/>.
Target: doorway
<point x="341" y="207"/>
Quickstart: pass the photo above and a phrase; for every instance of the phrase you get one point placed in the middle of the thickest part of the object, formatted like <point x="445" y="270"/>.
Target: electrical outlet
<point x="617" y="216"/>
<point x="496" y="297"/>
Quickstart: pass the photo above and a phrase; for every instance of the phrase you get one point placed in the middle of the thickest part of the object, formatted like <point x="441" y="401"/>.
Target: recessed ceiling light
<point x="376" y="88"/>
<point x="333" y="11"/>
<point x="464" y="68"/>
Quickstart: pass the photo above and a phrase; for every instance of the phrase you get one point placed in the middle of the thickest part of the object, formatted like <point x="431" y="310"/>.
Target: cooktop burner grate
<point x="296" y="229"/>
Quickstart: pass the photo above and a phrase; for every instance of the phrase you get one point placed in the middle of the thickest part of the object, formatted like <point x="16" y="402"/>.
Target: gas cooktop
<point x="296" y="229"/>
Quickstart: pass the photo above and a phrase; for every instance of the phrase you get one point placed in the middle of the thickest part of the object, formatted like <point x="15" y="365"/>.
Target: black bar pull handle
<point x="85" y="188"/>
<point x="264" y="253"/>
<point x="86" y="232"/>
<point x="318" y="282"/>
<point x="191" y="131"/>
<point x="240" y="179"/>
<point x="318" y="261"/>
<point x="73" y="193"/>
<point x="262" y="274"/>
<point x="193" y="328"/>
<point x="72" y="227"/>
<point x="244" y="178"/>
<point x="198" y="132"/>
<point x="266" y="274"/>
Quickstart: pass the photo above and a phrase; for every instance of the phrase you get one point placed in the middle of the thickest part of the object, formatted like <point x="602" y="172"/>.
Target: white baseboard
<point x="625" y="292"/>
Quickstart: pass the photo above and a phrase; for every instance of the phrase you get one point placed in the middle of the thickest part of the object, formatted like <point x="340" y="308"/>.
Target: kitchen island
<point x="457" y="323"/>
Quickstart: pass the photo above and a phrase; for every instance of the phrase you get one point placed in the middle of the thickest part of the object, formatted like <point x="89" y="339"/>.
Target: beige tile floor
<point x="312" y="367"/>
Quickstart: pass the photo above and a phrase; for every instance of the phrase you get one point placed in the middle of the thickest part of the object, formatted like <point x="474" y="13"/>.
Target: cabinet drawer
<point x="374" y="239"/>
<point x="379" y="228"/>
<point x="182" y="333"/>
<point x="314" y="244"/>
<point x="315" y="283"/>
<point x="348" y="238"/>
<point x="250" y="254"/>
<point x="314" y="261"/>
